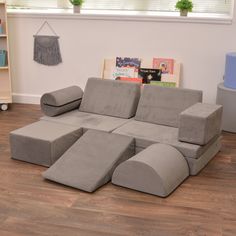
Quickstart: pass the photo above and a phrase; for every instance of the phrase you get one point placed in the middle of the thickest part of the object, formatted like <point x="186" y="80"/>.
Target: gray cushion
<point x="110" y="97"/>
<point x="160" y="105"/>
<point x="90" y="162"/>
<point x="200" y="123"/>
<point x="60" y="101"/>
<point x="88" y="120"/>
<point x="197" y="164"/>
<point x="158" y="170"/>
<point x="146" y="134"/>
<point x="42" y="142"/>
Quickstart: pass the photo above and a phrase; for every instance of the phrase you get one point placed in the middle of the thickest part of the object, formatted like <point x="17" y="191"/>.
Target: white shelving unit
<point x="5" y="77"/>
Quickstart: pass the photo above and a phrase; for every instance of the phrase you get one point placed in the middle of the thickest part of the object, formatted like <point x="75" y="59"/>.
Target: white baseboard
<point x="26" y="98"/>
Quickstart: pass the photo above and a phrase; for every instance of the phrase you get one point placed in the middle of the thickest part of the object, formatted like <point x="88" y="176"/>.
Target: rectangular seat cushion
<point x="110" y="97"/>
<point x="88" y="120"/>
<point x="160" y="105"/>
<point x="42" y="142"/>
<point x="146" y="134"/>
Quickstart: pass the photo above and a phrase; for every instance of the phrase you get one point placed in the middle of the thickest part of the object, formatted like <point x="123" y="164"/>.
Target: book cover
<point x="123" y="72"/>
<point x="147" y="75"/>
<point x="166" y="65"/>
<point x="139" y="80"/>
<point x="163" y="84"/>
<point x="128" y="62"/>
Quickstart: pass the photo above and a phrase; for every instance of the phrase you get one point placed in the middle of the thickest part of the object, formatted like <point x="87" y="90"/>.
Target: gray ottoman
<point x="90" y="162"/>
<point x="42" y="142"/>
<point x="158" y="170"/>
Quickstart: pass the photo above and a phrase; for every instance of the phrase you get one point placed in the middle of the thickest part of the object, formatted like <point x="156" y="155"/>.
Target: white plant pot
<point x="77" y="9"/>
<point x="184" y="13"/>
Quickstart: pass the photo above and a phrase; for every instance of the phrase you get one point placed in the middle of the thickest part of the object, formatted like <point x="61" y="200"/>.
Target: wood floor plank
<point x="204" y="205"/>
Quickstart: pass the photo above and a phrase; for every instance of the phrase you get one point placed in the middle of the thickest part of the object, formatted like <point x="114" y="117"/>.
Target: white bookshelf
<point x="5" y="77"/>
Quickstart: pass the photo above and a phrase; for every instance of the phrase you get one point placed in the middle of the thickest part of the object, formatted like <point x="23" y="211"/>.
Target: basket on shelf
<point x="3" y="58"/>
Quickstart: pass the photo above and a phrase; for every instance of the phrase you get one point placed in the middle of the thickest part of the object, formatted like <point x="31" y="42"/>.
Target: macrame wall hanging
<point x="46" y="47"/>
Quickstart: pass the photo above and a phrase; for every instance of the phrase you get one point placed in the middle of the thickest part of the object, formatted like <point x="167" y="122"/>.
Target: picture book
<point x="163" y="84"/>
<point x="166" y="65"/>
<point x="147" y="75"/>
<point x="123" y="72"/>
<point x="128" y="62"/>
<point x="137" y="80"/>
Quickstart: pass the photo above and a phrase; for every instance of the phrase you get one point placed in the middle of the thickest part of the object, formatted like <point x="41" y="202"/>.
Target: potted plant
<point x="77" y="5"/>
<point x="184" y="6"/>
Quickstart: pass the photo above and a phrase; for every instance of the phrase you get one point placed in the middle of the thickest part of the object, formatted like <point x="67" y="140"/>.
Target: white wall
<point x="201" y="48"/>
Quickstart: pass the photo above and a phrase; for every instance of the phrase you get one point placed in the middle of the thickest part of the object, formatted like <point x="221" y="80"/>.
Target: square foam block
<point x="200" y="123"/>
<point x="42" y="142"/>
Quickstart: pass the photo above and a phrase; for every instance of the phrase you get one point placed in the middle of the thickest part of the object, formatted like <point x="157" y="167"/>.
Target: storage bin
<point x="3" y="56"/>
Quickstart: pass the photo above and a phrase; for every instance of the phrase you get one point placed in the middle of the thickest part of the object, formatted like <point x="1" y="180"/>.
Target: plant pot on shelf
<point x="184" y="12"/>
<point x="77" y="8"/>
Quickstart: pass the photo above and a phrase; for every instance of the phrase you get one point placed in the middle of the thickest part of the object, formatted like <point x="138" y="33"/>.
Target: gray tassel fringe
<point x="47" y="50"/>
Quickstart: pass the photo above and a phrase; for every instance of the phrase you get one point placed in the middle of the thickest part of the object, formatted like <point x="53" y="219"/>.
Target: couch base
<point x="196" y="165"/>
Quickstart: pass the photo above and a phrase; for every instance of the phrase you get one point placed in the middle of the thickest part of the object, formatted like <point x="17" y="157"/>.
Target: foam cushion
<point x="90" y="162"/>
<point x="157" y="170"/>
<point x="160" y="105"/>
<point x="200" y="123"/>
<point x="88" y="120"/>
<point x="42" y="142"/>
<point x="197" y="164"/>
<point x="60" y="101"/>
<point x="146" y="134"/>
<point x="110" y="97"/>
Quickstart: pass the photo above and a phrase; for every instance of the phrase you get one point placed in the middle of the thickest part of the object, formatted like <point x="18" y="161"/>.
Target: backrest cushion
<point x="110" y="97"/>
<point x="160" y="105"/>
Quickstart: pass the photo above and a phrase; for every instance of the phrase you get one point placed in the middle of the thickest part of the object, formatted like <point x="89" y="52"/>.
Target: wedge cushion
<point x="157" y="170"/>
<point x="90" y="162"/>
<point x="161" y="105"/>
<point x="110" y="97"/>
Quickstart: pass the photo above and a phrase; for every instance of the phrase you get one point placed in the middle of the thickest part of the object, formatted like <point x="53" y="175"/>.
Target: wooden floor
<point x="202" y="205"/>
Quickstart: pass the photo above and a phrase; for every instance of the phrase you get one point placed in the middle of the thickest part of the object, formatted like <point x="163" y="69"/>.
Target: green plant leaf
<point x="184" y="5"/>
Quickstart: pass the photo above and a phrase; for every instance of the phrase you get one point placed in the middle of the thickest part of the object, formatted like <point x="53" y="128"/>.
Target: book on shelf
<point x="147" y="75"/>
<point x="137" y="80"/>
<point x="166" y="65"/>
<point x="128" y="62"/>
<point x="163" y="84"/>
<point x="123" y="72"/>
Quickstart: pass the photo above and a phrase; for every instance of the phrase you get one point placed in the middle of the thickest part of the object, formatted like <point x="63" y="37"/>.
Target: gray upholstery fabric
<point x="146" y="134"/>
<point x="60" y="101"/>
<point x="90" y="162"/>
<point x="110" y="97"/>
<point x="161" y="105"/>
<point x="42" y="142"/>
<point x="200" y="123"/>
<point x="158" y="170"/>
<point x="196" y="165"/>
<point x="88" y="120"/>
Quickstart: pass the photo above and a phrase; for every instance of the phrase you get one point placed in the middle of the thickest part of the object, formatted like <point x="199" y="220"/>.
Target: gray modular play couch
<point x="147" y="139"/>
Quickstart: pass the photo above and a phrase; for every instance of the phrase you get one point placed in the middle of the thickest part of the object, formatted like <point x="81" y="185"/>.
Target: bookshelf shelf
<point x="5" y="77"/>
